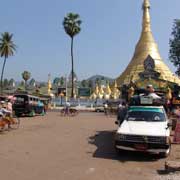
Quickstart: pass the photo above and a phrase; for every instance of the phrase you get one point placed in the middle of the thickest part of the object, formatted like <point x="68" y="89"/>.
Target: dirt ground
<point x="77" y="148"/>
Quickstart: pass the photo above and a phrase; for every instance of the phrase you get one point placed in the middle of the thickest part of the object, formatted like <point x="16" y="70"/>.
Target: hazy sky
<point x="110" y="31"/>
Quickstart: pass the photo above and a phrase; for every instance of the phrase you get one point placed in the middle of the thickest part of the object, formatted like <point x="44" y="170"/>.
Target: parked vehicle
<point x="145" y="128"/>
<point x="26" y="104"/>
<point x="99" y="108"/>
<point x="99" y="105"/>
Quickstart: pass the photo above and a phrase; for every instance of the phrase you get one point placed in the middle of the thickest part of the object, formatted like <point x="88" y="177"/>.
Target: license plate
<point x="140" y="147"/>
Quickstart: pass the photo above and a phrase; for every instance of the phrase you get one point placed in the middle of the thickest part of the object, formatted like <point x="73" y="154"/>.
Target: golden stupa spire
<point x="95" y="94"/>
<point x="108" y="89"/>
<point x="49" y="84"/>
<point x="115" y="84"/>
<point x="146" y="25"/>
<point x="107" y="93"/>
<point x="96" y="90"/>
<point x="101" y="92"/>
<point x="115" y="91"/>
<point x="146" y="46"/>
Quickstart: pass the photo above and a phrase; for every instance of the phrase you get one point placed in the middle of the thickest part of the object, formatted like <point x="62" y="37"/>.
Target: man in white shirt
<point x="151" y="93"/>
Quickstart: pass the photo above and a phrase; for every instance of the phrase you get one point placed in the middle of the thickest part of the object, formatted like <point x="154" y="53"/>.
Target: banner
<point x="84" y="92"/>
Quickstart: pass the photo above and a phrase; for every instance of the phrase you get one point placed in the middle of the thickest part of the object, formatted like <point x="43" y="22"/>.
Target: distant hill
<point x="100" y="77"/>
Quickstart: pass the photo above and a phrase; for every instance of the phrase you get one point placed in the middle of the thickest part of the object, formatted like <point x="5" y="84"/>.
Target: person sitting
<point x="6" y="111"/>
<point x="9" y="106"/>
<point x="150" y="92"/>
<point x="4" y="108"/>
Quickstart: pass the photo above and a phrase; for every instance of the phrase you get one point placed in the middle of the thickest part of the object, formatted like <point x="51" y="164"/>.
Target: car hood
<point x="144" y="128"/>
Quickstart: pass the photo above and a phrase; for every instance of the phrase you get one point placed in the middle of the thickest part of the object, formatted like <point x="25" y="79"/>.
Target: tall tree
<point x="90" y="84"/>
<point x="5" y="83"/>
<point x="56" y="81"/>
<point x="174" y="42"/>
<point x="7" y="48"/>
<point x="72" y="27"/>
<point x="32" y="82"/>
<point x="84" y="83"/>
<point x="62" y="81"/>
<point x="97" y="81"/>
<point x="26" y="76"/>
<point x="22" y="84"/>
<point x="12" y="83"/>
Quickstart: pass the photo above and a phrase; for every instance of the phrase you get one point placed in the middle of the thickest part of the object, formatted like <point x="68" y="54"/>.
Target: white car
<point x="145" y="128"/>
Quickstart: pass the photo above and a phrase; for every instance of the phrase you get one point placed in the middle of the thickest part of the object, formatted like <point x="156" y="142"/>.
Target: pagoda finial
<point x="146" y="16"/>
<point x="49" y="84"/>
<point x="146" y="4"/>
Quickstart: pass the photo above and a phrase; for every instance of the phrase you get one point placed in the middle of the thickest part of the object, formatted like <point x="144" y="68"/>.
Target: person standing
<point x="106" y="108"/>
<point x="122" y="111"/>
<point x="9" y="106"/>
<point x="67" y="107"/>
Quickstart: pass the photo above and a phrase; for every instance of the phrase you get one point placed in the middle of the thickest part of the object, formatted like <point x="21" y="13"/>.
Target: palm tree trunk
<point x="25" y="85"/>
<point x="2" y="73"/>
<point x="72" y="61"/>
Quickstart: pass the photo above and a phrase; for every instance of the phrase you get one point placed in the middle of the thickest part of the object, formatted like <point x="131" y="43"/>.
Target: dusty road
<point x="78" y="148"/>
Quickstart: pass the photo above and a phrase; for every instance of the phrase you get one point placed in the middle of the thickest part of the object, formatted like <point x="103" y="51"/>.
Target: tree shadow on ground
<point x="104" y="141"/>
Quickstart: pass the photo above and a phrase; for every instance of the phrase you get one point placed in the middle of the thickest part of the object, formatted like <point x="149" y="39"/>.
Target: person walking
<point x="106" y="108"/>
<point x="67" y="107"/>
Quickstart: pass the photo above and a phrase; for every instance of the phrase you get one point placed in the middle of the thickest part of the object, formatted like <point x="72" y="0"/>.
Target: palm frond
<point x="7" y="47"/>
<point x="71" y="24"/>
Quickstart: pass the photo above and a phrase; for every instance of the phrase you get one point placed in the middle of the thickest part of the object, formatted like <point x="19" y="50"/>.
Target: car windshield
<point x="144" y="114"/>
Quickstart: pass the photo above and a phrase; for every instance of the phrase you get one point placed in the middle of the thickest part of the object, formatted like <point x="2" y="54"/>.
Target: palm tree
<point x="26" y="76"/>
<point x="7" y="48"/>
<point x="62" y="80"/>
<point x="12" y="83"/>
<point x="72" y="27"/>
<point x="56" y="81"/>
<point x="5" y="83"/>
<point x="32" y="82"/>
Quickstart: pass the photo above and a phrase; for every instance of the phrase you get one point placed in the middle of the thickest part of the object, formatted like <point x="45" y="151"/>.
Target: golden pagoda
<point x="115" y="91"/>
<point x="101" y="92"/>
<point x="49" y="84"/>
<point x="146" y="47"/>
<point x="107" y="92"/>
<point x="95" y="94"/>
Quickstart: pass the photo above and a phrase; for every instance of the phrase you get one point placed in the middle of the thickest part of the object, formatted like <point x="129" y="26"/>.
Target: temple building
<point x="147" y="66"/>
